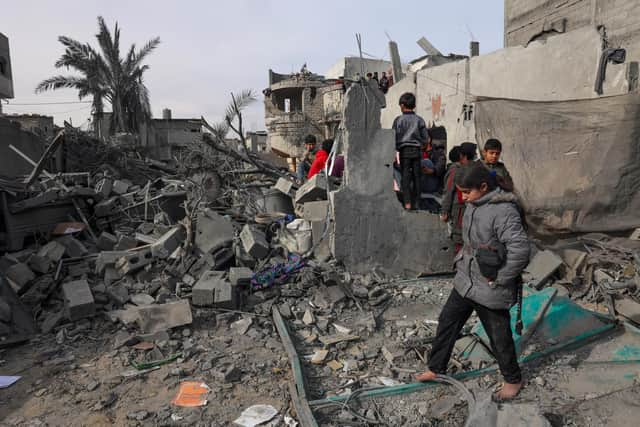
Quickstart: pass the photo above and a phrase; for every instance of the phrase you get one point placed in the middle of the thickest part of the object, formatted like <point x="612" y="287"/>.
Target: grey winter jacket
<point x="491" y="221"/>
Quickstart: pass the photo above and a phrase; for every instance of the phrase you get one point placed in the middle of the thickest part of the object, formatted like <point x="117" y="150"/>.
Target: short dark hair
<point x="327" y="145"/>
<point x="493" y="144"/>
<point x="310" y="139"/>
<point x="408" y="100"/>
<point x="476" y="175"/>
<point x="468" y="149"/>
<point x="454" y="154"/>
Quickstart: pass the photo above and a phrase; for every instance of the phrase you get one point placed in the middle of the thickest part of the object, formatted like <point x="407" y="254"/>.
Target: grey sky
<point x="210" y="48"/>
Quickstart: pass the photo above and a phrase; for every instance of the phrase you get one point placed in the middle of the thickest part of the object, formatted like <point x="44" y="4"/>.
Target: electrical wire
<point x="47" y="103"/>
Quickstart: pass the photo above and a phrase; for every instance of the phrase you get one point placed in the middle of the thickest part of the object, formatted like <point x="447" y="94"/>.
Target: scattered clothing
<point x="277" y="274"/>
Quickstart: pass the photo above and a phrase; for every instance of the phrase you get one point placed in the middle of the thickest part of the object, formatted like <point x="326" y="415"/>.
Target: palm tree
<point x="105" y="75"/>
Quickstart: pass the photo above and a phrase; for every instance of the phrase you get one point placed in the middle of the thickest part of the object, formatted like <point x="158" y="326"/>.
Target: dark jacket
<point x="411" y="131"/>
<point x="505" y="180"/>
<point x="491" y="222"/>
<point x="452" y="203"/>
<point x="439" y="158"/>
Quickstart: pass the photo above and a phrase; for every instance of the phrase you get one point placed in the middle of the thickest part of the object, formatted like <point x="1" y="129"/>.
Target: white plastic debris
<point x="256" y="415"/>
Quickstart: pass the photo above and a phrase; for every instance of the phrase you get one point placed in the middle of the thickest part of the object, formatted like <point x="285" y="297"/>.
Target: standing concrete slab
<point x="372" y="230"/>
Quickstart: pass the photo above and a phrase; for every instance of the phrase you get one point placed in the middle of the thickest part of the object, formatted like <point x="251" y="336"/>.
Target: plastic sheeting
<point x="575" y="164"/>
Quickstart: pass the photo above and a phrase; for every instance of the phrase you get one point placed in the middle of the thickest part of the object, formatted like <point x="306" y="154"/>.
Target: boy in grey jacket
<point x="411" y="137"/>
<point x="489" y="267"/>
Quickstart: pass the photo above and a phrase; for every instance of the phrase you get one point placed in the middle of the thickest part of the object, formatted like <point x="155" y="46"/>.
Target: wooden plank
<point x="298" y="391"/>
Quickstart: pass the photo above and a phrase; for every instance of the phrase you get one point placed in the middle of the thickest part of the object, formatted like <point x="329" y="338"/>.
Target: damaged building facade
<point x="565" y="109"/>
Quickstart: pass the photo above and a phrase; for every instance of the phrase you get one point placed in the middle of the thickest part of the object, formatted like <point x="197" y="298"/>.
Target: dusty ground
<point x="75" y="377"/>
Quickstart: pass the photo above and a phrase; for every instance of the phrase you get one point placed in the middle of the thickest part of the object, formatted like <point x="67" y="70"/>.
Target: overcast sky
<point x="211" y="48"/>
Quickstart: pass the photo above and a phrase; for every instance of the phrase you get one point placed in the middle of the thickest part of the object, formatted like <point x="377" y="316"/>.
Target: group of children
<point x="488" y="229"/>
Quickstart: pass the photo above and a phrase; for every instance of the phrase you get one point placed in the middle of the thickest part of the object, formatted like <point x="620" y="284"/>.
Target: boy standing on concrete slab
<point x="411" y="137"/>
<point x="491" y="159"/>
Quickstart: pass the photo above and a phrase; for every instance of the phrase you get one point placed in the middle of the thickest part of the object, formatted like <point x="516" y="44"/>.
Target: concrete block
<point x="285" y="186"/>
<point x="19" y="275"/>
<point x="315" y="211"/>
<point x="120" y="187"/>
<point x="225" y="296"/>
<point x="212" y="231"/>
<point x="541" y="268"/>
<point x="168" y="243"/>
<point x="53" y="251"/>
<point x="134" y="261"/>
<point x="73" y="247"/>
<point x="312" y="190"/>
<point x="78" y="299"/>
<point x="39" y="264"/>
<point x="254" y="242"/>
<point x="203" y="292"/>
<point x="161" y="317"/>
<point x="240" y="276"/>
<point x="106" y="241"/>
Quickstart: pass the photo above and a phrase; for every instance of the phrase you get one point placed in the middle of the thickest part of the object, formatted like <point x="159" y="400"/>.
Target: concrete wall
<point x="40" y="125"/>
<point x="177" y="132"/>
<point x="11" y="164"/>
<point x="388" y="114"/>
<point x="561" y="68"/>
<point x="372" y="230"/>
<point x="524" y="19"/>
<point x="6" y="76"/>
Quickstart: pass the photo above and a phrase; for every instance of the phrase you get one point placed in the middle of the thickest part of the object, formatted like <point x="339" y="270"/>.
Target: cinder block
<point x="78" y="299"/>
<point x="240" y="276"/>
<point x="134" y="262"/>
<point x="225" y="296"/>
<point x="254" y="242"/>
<point x="106" y="241"/>
<point x="203" y="292"/>
<point x="168" y="243"/>
<point x="285" y="186"/>
<point x="315" y="211"/>
<point x="312" y="190"/>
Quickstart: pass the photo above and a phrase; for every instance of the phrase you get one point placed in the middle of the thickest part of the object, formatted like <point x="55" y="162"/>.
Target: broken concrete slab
<point x="629" y="309"/>
<point x="106" y="241"/>
<point x="73" y="247"/>
<point x="254" y="242"/>
<point x="315" y="211"/>
<point x="142" y="299"/>
<point x="40" y="264"/>
<point x="541" y="268"/>
<point x="213" y="231"/>
<point x="168" y="243"/>
<point x="312" y="190"/>
<point x="285" y="186"/>
<point x="372" y="229"/>
<point x="242" y="326"/>
<point x="118" y="293"/>
<point x="78" y="299"/>
<point x="319" y="356"/>
<point x="19" y="276"/>
<point x="53" y="250"/>
<point x="160" y="317"/>
<point x="120" y="187"/>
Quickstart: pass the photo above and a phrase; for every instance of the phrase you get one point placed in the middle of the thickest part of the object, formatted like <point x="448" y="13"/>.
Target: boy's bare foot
<point x="508" y="391"/>
<point x="407" y="206"/>
<point x="426" y="376"/>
